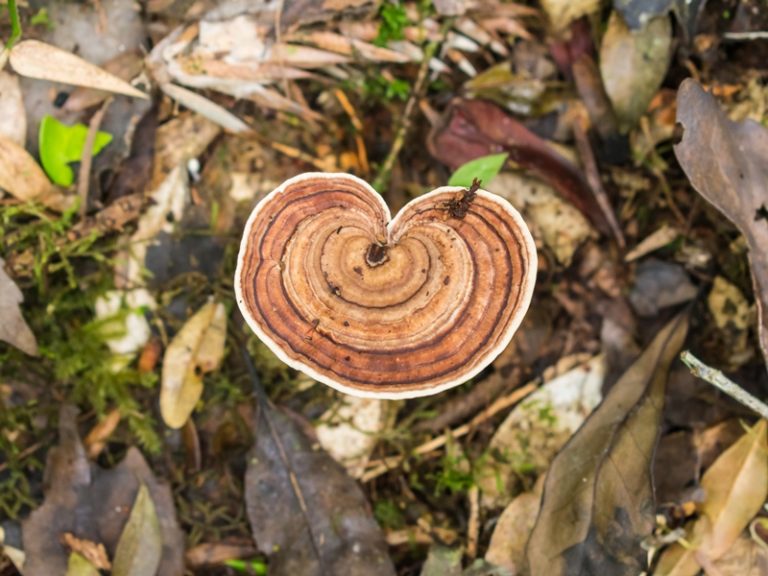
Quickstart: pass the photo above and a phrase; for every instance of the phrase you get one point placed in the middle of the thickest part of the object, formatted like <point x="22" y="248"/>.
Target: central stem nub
<point x="376" y="255"/>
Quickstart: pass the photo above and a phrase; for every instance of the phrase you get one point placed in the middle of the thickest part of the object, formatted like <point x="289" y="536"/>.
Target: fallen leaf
<point x="659" y="285"/>
<point x="442" y="561"/>
<point x="475" y="128"/>
<point x="93" y="503"/>
<point x="733" y="317"/>
<point x="562" y="12"/>
<point x="537" y="428"/>
<point x="61" y="145"/>
<point x="23" y="178"/>
<point x="205" y="107"/>
<point x="100" y="433"/>
<point x="512" y="531"/>
<point x="93" y="552"/>
<point x="561" y="227"/>
<point x="78" y="565"/>
<point x="350" y="430"/>
<point x="598" y="501"/>
<point x="13" y="328"/>
<point x="35" y="59"/>
<point x="727" y="163"/>
<point x="140" y="546"/>
<point x="744" y="558"/>
<point x="125" y="66"/>
<point x="637" y="12"/>
<point x="197" y="349"/>
<point x="13" y="115"/>
<point x="633" y="64"/>
<point x="305" y="512"/>
<point x="735" y="488"/>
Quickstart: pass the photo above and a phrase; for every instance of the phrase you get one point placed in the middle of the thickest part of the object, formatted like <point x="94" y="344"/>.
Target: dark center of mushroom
<point x="376" y="255"/>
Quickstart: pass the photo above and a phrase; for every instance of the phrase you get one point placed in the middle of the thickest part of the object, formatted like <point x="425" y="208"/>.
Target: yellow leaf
<point x="196" y="349"/>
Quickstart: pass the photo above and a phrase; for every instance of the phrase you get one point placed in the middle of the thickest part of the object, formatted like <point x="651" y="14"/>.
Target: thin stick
<point x="723" y="383"/>
<point x="84" y="175"/>
<point x="386" y="464"/>
<point x="382" y="178"/>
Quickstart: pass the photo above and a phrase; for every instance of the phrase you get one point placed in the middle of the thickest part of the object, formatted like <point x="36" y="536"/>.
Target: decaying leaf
<point x="561" y="227"/>
<point x="13" y="328"/>
<point x="507" y="546"/>
<point x="735" y="487"/>
<point x="744" y="558"/>
<point x="598" y="497"/>
<point x="537" y="428"/>
<point x="78" y="565"/>
<point x="633" y="64"/>
<point x="442" y="561"/>
<point x="94" y="504"/>
<point x="475" y="128"/>
<point x="305" y="512"/>
<point x="13" y="116"/>
<point x="141" y="544"/>
<point x="23" y="178"/>
<point x="196" y="349"/>
<point x="562" y="12"/>
<point x="349" y="431"/>
<point x="35" y="59"/>
<point x="732" y="315"/>
<point x="727" y="163"/>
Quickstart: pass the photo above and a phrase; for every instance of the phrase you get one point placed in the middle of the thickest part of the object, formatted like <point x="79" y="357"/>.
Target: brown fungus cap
<point x="384" y="308"/>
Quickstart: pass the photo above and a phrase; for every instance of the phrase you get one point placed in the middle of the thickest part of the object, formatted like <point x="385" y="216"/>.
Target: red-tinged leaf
<point x="475" y="128"/>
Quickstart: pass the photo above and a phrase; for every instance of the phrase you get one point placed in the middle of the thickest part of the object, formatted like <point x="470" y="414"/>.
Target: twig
<point x="473" y="526"/>
<point x="386" y="464"/>
<point x="723" y="383"/>
<point x="382" y="178"/>
<point x="84" y="174"/>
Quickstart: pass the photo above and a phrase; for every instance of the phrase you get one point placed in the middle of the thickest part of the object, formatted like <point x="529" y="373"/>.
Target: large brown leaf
<point x="305" y="512"/>
<point x="727" y="163"/>
<point x="598" y="497"/>
<point x="94" y="504"/>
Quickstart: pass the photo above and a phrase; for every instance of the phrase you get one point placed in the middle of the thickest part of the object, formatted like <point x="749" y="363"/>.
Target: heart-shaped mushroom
<point x="384" y="308"/>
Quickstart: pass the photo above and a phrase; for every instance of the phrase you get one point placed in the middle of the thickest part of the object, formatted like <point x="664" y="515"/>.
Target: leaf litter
<point x="249" y="96"/>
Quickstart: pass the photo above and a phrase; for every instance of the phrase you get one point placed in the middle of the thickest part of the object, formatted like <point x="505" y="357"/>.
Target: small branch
<point x="382" y="178"/>
<point x="724" y="384"/>
<point x="84" y="176"/>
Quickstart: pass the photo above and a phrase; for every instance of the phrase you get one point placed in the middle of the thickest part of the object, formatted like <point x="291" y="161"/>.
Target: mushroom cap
<point x="384" y="307"/>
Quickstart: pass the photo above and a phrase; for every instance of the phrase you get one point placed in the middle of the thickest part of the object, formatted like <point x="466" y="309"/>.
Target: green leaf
<point x="484" y="169"/>
<point x="61" y="144"/>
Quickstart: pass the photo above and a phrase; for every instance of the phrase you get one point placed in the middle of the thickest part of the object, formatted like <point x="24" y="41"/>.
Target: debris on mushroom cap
<point x="380" y="308"/>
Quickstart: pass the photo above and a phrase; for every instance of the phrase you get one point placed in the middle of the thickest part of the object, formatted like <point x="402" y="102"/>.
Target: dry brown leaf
<point x="23" y="178"/>
<point x="727" y="163"/>
<point x="196" y="349"/>
<point x="99" y="434"/>
<point x="507" y="546"/>
<point x="13" y="115"/>
<point x="205" y="107"/>
<point x="745" y="558"/>
<point x="306" y="513"/>
<point x="35" y="59"/>
<point x="598" y="503"/>
<point x="735" y="487"/>
<point x="13" y="328"/>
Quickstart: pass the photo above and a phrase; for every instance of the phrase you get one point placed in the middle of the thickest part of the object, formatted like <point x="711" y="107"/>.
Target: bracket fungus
<point x="384" y="307"/>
